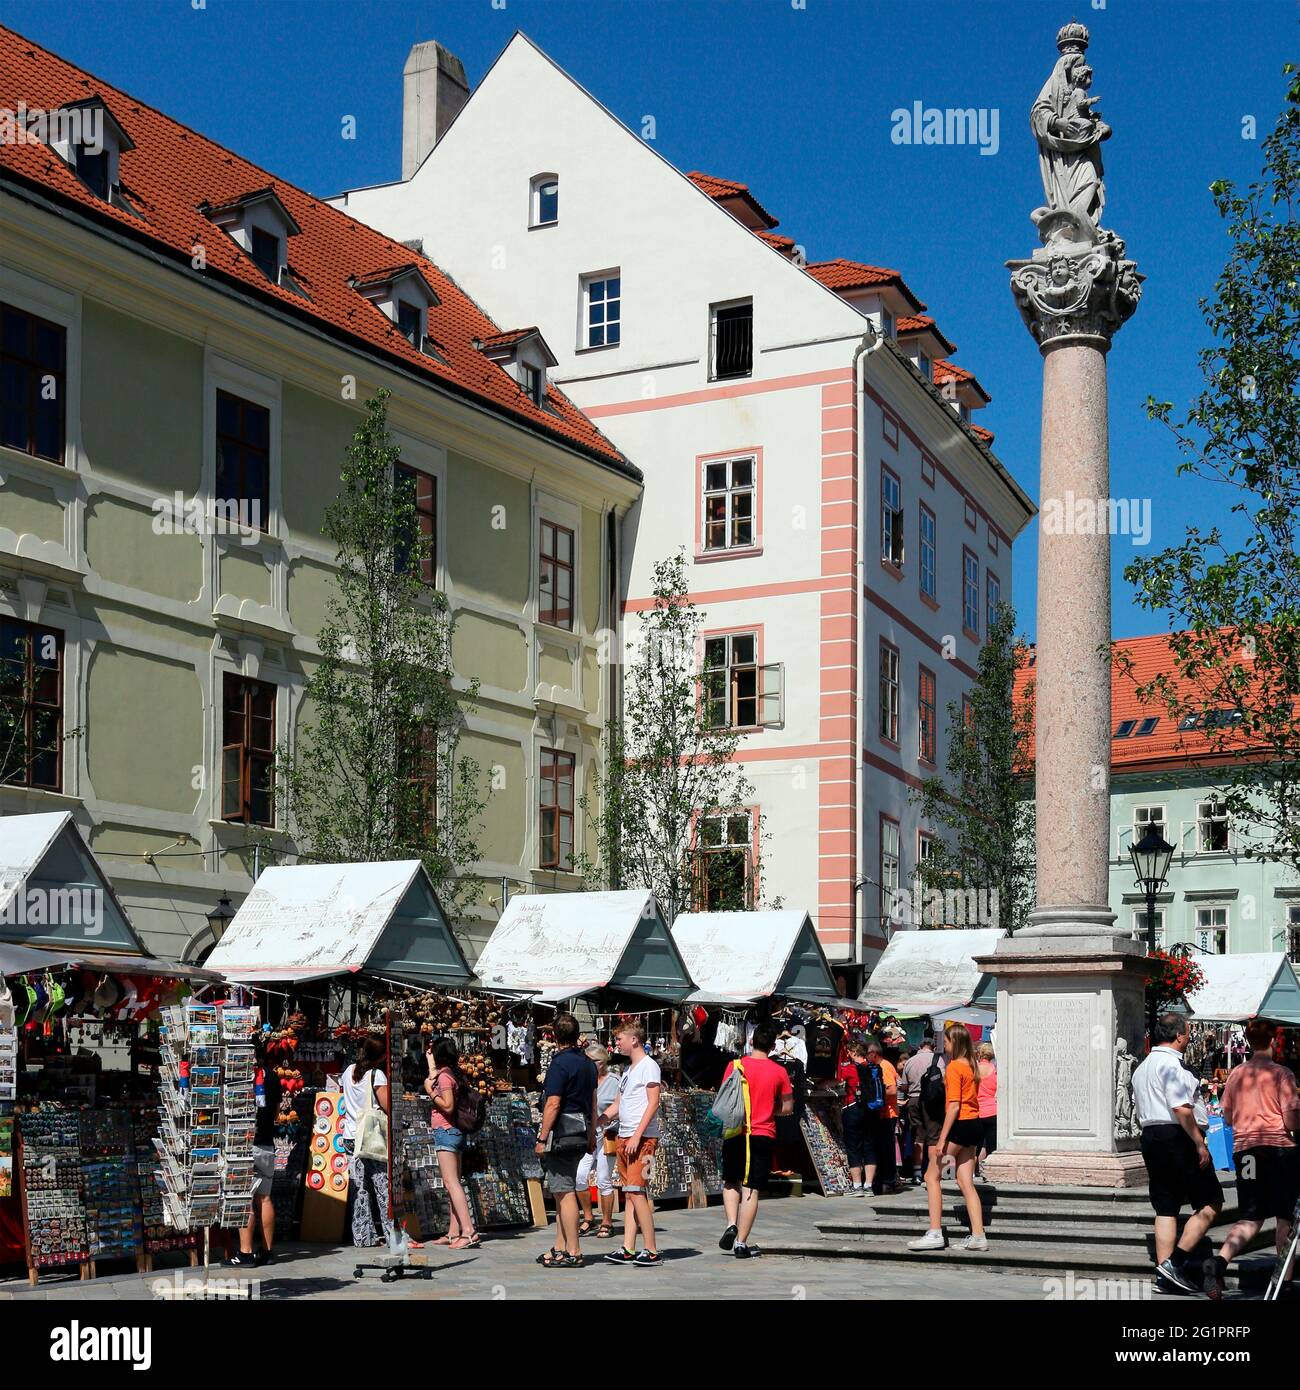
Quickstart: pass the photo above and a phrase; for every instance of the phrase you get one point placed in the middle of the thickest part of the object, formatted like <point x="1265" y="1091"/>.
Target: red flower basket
<point x="1178" y="977"/>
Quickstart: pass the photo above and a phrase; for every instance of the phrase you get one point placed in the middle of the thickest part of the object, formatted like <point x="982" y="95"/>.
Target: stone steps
<point x="1067" y="1234"/>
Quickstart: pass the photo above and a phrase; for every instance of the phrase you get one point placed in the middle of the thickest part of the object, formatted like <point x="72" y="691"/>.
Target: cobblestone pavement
<point x="505" y="1268"/>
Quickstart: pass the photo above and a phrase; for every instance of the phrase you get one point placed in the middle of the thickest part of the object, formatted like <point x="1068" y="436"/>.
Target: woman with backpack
<point x="851" y="1114"/>
<point x="959" y="1140"/>
<point x="365" y="1086"/>
<point x="446" y="1086"/>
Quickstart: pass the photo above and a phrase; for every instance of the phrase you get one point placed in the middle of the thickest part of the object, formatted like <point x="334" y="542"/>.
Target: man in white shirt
<point x="1179" y="1168"/>
<point x="637" y="1112"/>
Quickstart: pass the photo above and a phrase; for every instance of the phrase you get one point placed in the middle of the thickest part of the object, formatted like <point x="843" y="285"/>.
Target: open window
<point x="740" y="691"/>
<point x="731" y="340"/>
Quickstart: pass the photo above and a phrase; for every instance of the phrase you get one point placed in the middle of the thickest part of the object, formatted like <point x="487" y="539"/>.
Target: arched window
<point x="544" y="200"/>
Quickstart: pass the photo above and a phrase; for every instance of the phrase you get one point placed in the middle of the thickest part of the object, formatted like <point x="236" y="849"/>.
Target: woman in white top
<point x="364" y="1083"/>
<point x="602" y="1160"/>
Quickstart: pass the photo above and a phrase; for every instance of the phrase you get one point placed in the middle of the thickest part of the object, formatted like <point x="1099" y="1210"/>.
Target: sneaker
<point x="728" y="1238"/>
<point x="931" y="1240"/>
<point x="648" y="1259"/>
<point x="244" y="1259"/>
<point x="742" y="1251"/>
<point x="858" y="1192"/>
<point x="621" y="1257"/>
<point x="1212" y="1272"/>
<point x="974" y="1242"/>
<point x="1180" y="1279"/>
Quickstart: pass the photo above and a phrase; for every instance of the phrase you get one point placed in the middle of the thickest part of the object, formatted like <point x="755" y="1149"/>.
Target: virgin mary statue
<point x="1069" y="135"/>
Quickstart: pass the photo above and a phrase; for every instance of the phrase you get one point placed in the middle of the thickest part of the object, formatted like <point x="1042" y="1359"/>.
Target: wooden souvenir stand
<point x="325" y="1191"/>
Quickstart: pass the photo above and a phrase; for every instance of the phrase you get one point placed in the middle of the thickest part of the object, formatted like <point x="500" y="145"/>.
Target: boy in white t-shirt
<point x="637" y="1112"/>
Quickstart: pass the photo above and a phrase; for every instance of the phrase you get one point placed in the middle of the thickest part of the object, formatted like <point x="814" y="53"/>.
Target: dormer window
<point x="522" y="354"/>
<point x="93" y="169"/>
<point x="533" y="380"/>
<point x="544" y="200"/>
<point x="260" y="225"/>
<point x="87" y="136"/>
<point x="410" y="319"/>
<point x="404" y="296"/>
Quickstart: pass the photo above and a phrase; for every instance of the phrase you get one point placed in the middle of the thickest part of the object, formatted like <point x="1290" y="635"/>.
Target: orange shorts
<point x="636" y="1175"/>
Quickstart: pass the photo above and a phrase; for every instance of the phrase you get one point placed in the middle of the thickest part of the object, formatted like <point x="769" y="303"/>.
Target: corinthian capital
<point x="1083" y="292"/>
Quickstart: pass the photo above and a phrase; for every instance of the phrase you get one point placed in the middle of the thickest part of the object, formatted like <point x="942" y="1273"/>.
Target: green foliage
<point x="664" y="765"/>
<point x="374" y="773"/>
<point x="983" y="807"/>
<point x="1236" y="650"/>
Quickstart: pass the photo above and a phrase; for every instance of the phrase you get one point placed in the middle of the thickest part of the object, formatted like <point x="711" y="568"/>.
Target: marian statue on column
<point x="1069" y="133"/>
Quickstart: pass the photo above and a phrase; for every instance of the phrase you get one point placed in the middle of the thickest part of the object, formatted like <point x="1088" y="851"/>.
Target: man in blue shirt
<point x="567" y="1132"/>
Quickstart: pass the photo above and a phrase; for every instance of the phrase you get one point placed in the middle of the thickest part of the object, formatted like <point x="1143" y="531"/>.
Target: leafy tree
<point x="377" y="774"/>
<point x="983" y="807"/>
<point x="1236" y="653"/>
<point x="666" y="766"/>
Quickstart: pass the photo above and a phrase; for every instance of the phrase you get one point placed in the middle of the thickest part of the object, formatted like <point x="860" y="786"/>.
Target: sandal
<point x="552" y="1259"/>
<point x="605" y="1232"/>
<point x="572" y="1262"/>
<point x="585" y="1228"/>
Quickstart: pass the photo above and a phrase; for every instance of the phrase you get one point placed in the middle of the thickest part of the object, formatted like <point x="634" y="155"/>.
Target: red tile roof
<point x="173" y="171"/>
<point x="923" y="323"/>
<point x="1136" y="661"/>
<point x="980" y="433"/>
<point x="722" y="189"/>
<point x="783" y="244"/>
<point x="840" y="274"/>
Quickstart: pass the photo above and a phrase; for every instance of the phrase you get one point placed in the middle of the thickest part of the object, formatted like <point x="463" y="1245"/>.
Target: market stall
<point x="933" y="974"/>
<point x="80" y="1002"/>
<point x="1258" y="984"/>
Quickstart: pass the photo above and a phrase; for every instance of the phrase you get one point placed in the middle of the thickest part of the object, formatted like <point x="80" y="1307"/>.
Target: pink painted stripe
<point x="722" y="393"/>
<point x="792" y="586"/>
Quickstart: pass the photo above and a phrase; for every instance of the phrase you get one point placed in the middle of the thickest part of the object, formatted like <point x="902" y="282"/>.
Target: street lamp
<point x="1151" y="856"/>
<point x="219" y="918"/>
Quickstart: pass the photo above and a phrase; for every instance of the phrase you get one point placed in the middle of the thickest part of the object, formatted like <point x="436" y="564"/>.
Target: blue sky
<point x="794" y="97"/>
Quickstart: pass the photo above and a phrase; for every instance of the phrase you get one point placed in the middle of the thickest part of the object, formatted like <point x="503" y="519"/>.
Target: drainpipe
<point x="871" y="341"/>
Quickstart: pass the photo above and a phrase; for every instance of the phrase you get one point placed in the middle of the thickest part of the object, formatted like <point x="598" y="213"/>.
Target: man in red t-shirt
<point x="747" y="1158"/>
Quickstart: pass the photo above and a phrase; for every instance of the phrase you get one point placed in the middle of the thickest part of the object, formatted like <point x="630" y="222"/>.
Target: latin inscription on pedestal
<point x="1052" y="1078"/>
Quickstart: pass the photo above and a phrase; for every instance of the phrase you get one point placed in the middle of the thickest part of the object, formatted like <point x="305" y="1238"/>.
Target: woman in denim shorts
<point x="445" y="1085"/>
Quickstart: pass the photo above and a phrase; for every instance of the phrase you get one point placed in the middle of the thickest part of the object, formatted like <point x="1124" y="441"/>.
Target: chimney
<point x="433" y="90"/>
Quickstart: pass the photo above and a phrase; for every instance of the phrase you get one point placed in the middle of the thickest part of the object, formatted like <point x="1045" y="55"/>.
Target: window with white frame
<point x="891" y="519"/>
<point x="1211" y="827"/>
<point x="729" y="511"/>
<point x="889" y="692"/>
<point x="1140" y="923"/>
<point x="970" y="592"/>
<point x="544" y="200"/>
<point x="741" y="693"/>
<point x="1146" y="818"/>
<point x="602" y="311"/>
<point x="1293" y="933"/>
<point x="731" y="340"/>
<point x="724" y="872"/>
<point x="993" y="587"/>
<point x="929" y="554"/>
<point x="890" y="872"/>
<point x="1212" y="930"/>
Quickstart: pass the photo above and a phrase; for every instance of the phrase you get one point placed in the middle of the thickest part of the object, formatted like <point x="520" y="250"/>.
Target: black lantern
<point x="1151" y="856"/>
<point x="220" y="917"/>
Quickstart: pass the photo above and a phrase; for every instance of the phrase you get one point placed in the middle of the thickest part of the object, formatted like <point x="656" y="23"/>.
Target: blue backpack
<point x="871" y="1087"/>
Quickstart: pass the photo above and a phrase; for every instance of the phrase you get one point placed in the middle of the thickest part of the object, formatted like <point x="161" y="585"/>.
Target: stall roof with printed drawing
<point x="46" y="870"/>
<point x="1250" y="984"/>
<point x="928" y="972"/>
<point x="316" y="921"/>
<point x="561" y="945"/>
<point x="738" y="957"/>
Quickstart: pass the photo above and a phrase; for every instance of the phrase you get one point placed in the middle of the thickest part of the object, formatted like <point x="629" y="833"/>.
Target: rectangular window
<point x="731" y="340"/>
<point x="927" y="715"/>
<point x="724" y="876"/>
<point x="603" y="312"/>
<point x="244" y="458"/>
<point x="927" y="470"/>
<point x="1148" y="817"/>
<point x="31" y="705"/>
<point x="929" y="554"/>
<point x="1211" y="827"/>
<point x="970" y="515"/>
<point x="555" y="579"/>
<point x="1293" y="934"/>
<point x="545" y="200"/>
<point x="247" y="751"/>
<point x="741" y="694"/>
<point x="266" y="254"/>
<point x="93" y="169"/>
<point x="33" y="378"/>
<point x="418" y="759"/>
<point x="408" y="322"/>
<point x="967" y="711"/>
<point x="993" y="588"/>
<point x="533" y="380"/>
<point x="1212" y="930"/>
<point x="888" y="692"/>
<point x="555" y="810"/>
<point x="889" y="427"/>
<point x="729" y="510"/>
<point x="418" y="550"/>
<point x="1140" y="927"/>
<point x="891" y="519"/>
<point x="992" y="538"/>
<point x="970" y="592"/>
<point x="890" y="873"/>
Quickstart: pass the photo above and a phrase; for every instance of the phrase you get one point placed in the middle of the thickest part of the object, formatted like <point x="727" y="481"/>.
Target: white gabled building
<point x="802" y="435"/>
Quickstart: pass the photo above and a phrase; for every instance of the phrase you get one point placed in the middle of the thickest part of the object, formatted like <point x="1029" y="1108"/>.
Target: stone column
<point x="1070" y="984"/>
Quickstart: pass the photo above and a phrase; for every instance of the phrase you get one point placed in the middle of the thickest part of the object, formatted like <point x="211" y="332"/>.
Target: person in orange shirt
<point x="958" y="1144"/>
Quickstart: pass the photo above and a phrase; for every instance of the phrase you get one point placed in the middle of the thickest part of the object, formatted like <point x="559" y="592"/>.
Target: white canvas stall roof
<point x="312" y="921"/>
<point x="561" y="945"/>
<point x="1254" y="984"/>
<point x="738" y="957"/>
<point x="926" y="972"/>
<point x="46" y="855"/>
